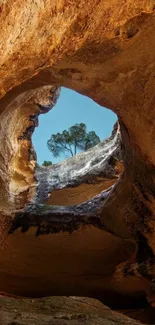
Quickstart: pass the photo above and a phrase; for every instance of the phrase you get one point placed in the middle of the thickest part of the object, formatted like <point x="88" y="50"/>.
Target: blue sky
<point x="71" y="108"/>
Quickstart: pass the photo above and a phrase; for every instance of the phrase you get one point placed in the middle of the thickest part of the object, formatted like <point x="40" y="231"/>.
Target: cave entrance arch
<point x="73" y="180"/>
<point x="56" y="221"/>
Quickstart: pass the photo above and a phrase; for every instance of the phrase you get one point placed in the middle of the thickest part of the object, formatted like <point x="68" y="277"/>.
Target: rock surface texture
<point x="104" y="247"/>
<point x="59" y="311"/>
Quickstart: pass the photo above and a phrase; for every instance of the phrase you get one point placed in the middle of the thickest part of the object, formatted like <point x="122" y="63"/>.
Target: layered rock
<point x="105" y="50"/>
<point x="17" y="157"/>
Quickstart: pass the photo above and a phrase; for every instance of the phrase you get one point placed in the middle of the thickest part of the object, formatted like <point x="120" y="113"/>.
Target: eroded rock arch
<point x="107" y="52"/>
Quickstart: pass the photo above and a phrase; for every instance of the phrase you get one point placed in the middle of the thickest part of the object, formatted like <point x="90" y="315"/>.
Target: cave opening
<point x="95" y="49"/>
<point x="75" y="234"/>
<point x="74" y="177"/>
<point x="69" y="109"/>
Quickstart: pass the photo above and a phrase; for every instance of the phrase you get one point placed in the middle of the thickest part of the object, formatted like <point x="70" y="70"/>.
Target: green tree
<point x="71" y="140"/>
<point x="47" y="163"/>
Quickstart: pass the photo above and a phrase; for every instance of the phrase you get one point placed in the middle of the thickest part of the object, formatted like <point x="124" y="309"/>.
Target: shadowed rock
<point x="59" y="311"/>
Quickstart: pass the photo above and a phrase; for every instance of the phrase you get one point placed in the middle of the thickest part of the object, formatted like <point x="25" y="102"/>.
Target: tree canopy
<point x="71" y="140"/>
<point x="47" y="163"/>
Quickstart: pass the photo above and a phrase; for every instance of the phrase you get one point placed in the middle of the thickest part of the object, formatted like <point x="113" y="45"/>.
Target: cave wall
<point x="105" y="50"/>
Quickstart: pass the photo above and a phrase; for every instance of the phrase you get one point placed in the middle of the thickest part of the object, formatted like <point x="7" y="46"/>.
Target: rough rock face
<point x="59" y="311"/>
<point x="105" y="50"/>
<point x="17" y="156"/>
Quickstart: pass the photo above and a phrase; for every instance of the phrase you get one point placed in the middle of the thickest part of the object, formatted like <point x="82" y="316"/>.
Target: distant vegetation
<point x="71" y="140"/>
<point x="46" y="163"/>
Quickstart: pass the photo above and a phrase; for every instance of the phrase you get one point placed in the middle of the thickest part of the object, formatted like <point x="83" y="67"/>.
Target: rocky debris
<point x="59" y="311"/>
